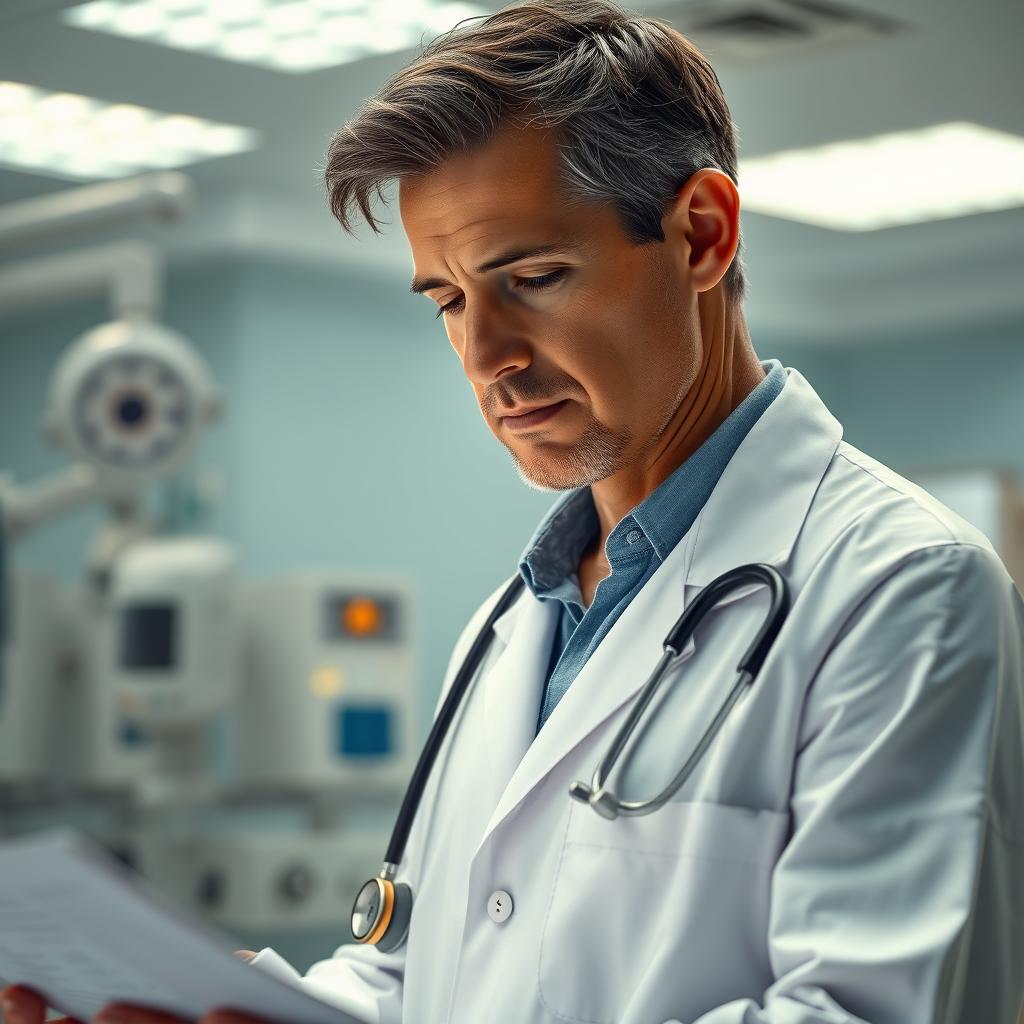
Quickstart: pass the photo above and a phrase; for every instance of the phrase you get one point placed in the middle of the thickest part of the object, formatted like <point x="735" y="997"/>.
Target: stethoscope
<point x="382" y="910"/>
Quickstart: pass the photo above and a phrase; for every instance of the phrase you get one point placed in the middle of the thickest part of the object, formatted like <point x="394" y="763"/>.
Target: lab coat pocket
<point x="648" y="913"/>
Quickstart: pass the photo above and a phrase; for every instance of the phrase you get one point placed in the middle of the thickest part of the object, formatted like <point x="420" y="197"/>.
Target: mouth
<point x="534" y="416"/>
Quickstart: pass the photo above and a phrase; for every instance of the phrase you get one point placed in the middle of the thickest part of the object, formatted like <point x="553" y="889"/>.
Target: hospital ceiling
<point x="950" y="61"/>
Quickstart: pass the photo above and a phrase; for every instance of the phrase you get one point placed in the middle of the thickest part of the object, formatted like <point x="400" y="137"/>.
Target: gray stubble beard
<point x="596" y="456"/>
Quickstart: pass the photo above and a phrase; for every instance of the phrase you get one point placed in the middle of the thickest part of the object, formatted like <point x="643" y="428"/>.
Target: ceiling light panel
<point x="948" y="170"/>
<point x="71" y="136"/>
<point x="286" y="35"/>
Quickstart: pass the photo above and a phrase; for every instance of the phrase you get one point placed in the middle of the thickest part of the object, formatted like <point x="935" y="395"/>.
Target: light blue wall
<point x="949" y="397"/>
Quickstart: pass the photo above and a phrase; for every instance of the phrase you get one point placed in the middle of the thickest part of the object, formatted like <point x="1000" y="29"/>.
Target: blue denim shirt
<point x="635" y="547"/>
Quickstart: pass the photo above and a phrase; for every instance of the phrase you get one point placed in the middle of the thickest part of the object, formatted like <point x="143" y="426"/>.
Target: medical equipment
<point x="175" y="658"/>
<point x="330" y="684"/>
<point x="382" y="909"/>
<point x="253" y="878"/>
<point x="29" y="654"/>
<point x="130" y="398"/>
<point x="128" y="696"/>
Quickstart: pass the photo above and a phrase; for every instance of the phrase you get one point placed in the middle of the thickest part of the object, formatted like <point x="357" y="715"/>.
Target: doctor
<point x="849" y="850"/>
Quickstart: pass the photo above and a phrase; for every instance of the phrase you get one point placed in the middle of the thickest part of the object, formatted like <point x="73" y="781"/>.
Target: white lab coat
<point x="849" y="850"/>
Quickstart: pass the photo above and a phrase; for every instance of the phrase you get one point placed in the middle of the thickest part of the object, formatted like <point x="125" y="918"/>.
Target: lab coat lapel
<point x="613" y="674"/>
<point x="754" y="514"/>
<point x="511" y="689"/>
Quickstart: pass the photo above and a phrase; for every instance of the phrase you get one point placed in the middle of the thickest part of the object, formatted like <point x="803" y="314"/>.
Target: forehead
<point x="510" y="184"/>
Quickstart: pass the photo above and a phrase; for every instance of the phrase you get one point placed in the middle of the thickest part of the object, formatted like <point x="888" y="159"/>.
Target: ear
<point x="702" y="226"/>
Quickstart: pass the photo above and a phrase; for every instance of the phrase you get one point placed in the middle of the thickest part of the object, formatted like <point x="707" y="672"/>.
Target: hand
<point x="22" y="1005"/>
<point x="125" y="1013"/>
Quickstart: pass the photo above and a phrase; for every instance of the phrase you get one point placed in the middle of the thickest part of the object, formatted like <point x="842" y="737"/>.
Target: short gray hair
<point x="636" y="106"/>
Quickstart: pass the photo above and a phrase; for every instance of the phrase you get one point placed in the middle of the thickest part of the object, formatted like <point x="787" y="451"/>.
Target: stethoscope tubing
<point x="604" y="802"/>
<point x="440" y="728"/>
<point x="597" y="794"/>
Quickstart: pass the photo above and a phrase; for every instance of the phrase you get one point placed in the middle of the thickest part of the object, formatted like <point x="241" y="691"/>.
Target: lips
<point x="538" y="414"/>
<point x="526" y="410"/>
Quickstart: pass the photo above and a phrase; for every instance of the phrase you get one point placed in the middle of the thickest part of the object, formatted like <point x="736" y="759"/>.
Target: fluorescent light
<point x="289" y="19"/>
<point x="141" y="19"/>
<point x="248" y="45"/>
<point x="15" y="96"/>
<point x="72" y="136"/>
<point x="286" y="35"/>
<point x="193" y="32"/>
<point x="947" y="170"/>
<point x="234" y="11"/>
<point x="304" y="53"/>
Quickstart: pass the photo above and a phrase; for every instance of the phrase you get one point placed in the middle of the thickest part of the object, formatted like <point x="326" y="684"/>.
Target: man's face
<point x="605" y="327"/>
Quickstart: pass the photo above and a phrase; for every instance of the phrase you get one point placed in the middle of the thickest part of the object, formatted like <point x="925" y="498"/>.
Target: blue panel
<point x="131" y="734"/>
<point x="364" y="731"/>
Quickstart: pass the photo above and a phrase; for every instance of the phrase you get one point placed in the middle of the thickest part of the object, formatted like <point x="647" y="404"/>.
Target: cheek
<point x="595" y="338"/>
<point x="634" y="355"/>
<point x="600" y="346"/>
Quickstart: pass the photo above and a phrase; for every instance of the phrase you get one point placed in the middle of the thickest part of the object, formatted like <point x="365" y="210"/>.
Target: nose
<point x="491" y="342"/>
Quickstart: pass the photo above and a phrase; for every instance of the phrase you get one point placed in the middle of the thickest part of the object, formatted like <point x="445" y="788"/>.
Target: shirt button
<point x="499" y="906"/>
<point x="633" y="536"/>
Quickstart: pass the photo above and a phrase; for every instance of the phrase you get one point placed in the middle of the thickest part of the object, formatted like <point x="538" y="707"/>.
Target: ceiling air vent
<point x="751" y="31"/>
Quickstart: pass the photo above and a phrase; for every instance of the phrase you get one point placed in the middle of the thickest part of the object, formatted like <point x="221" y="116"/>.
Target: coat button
<point x="499" y="906"/>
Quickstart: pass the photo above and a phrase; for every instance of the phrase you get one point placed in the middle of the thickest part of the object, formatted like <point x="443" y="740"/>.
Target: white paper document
<point x="84" y="931"/>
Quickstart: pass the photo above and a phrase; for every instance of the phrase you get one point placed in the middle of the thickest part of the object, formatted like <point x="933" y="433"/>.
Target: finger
<point x="229" y="1017"/>
<point x="22" y="1005"/>
<point x="244" y="954"/>
<point x="126" y="1013"/>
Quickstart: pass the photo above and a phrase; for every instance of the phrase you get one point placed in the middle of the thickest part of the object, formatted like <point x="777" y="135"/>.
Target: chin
<point x="555" y="474"/>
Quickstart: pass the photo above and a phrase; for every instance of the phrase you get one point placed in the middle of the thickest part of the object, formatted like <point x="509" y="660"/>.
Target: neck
<point x="729" y="371"/>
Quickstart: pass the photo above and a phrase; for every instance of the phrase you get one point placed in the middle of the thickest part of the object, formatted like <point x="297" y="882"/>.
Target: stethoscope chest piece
<point x="381" y="913"/>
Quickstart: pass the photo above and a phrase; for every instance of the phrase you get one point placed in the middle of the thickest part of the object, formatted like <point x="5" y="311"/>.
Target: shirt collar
<point x="555" y="548"/>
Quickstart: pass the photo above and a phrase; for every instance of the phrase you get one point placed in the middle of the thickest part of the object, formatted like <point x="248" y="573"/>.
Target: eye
<point x="530" y="283"/>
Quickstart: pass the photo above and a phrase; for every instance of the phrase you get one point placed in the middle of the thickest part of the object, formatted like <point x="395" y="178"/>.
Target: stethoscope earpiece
<point x="381" y="914"/>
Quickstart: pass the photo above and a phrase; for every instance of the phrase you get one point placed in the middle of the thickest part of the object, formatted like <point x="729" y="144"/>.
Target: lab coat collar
<point x="754" y="514"/>
<point x="758" y="508"/>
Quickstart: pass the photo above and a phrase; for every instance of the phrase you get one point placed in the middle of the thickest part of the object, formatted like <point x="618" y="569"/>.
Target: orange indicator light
<point x="362" y="616"/>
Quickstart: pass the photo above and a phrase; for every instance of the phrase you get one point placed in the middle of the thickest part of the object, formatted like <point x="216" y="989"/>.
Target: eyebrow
<point x="422" y="284"/>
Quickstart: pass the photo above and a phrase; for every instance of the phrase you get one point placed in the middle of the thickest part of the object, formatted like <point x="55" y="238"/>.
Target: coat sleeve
<point x="899" y="898"/>
<point x="361" y="980"/>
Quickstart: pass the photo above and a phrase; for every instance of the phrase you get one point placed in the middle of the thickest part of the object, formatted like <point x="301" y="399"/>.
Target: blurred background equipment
<point x="163" y="692"/>
<point x="343" y="641"/>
